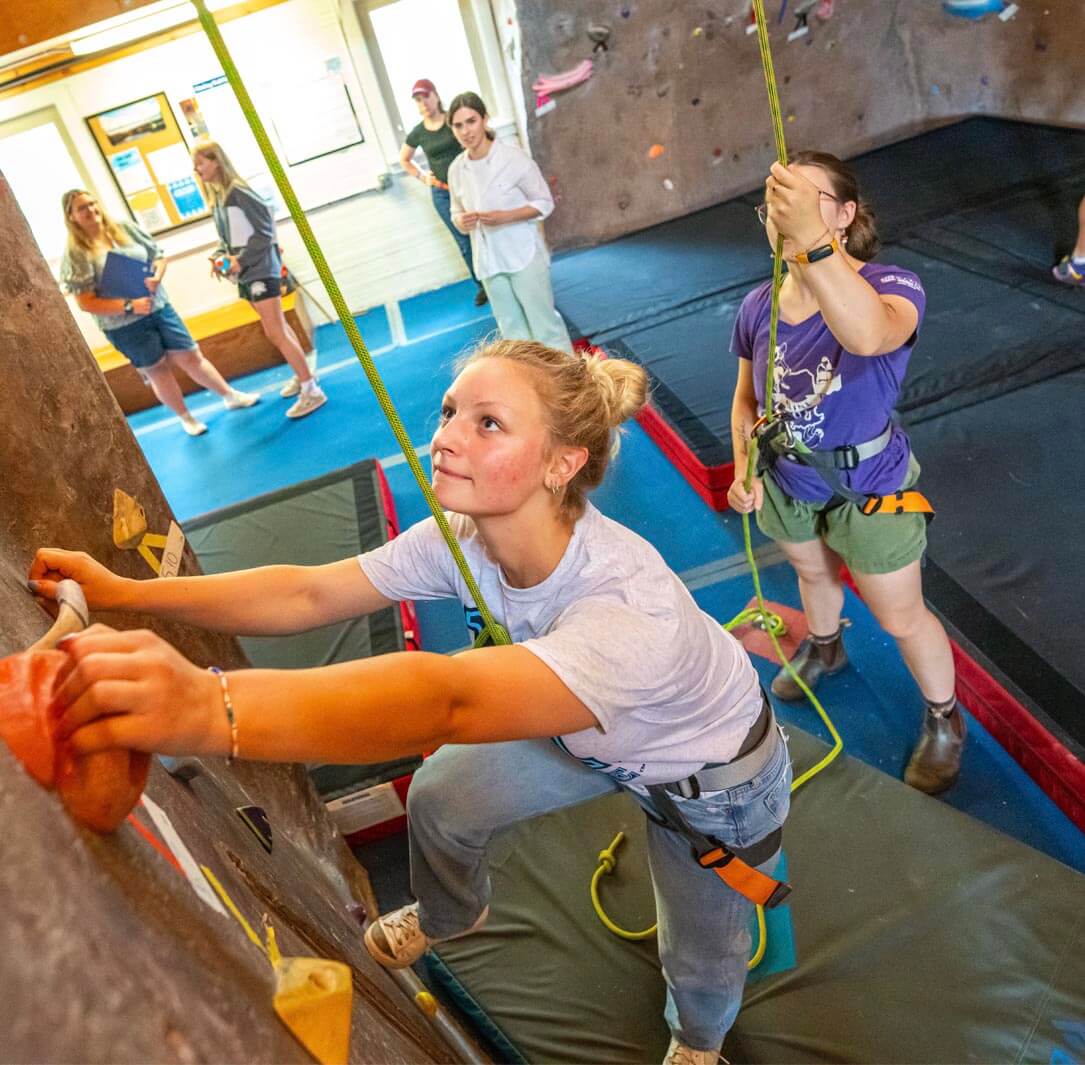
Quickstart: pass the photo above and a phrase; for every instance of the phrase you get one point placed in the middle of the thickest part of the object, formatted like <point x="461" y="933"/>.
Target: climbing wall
<point x="116" y="948"/>
<point x="673" y="116"/>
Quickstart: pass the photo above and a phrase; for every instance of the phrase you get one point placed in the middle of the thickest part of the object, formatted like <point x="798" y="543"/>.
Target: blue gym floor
<point x="874" y="704"/>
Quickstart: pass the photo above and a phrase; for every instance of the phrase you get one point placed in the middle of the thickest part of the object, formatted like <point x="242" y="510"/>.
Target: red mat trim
<point x="407" y="611"/>
<point x="709" y="482"/>
<point x="1054" y="769"/>
<point x="409" y="616"/>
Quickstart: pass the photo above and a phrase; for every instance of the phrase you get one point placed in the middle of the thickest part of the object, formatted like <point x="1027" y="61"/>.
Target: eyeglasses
<point x="762" y="209"/>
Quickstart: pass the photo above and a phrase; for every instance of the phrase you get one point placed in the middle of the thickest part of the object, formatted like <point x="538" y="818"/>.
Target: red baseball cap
<point x="423" y="85"/>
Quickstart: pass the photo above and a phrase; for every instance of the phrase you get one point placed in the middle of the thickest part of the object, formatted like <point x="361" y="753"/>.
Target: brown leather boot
<point x="811" y="661"/>
<point x="936" y="761"/>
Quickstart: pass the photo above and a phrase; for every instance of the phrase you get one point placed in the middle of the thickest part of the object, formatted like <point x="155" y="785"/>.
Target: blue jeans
<point x="442" y="202"/>
<point x="462" y="795"/>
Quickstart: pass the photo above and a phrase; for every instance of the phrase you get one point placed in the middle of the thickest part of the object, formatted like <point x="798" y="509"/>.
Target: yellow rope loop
<point x="608" y="862"/>
<point x="210" y="28"/>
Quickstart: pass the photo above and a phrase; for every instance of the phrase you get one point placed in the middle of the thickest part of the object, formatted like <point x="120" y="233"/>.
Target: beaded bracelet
<point x="228" y="704"/>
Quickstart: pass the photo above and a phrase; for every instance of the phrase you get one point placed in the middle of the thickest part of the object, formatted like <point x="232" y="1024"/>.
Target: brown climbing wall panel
<point x="687" y="76"/>
<point x="108" y="954"/>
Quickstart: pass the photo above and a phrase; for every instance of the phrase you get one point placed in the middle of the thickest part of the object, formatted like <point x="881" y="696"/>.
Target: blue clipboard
<point x="124" y="277"/>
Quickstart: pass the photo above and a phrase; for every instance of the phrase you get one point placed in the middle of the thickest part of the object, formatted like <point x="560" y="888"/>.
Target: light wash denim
<point x="463" y="794"/>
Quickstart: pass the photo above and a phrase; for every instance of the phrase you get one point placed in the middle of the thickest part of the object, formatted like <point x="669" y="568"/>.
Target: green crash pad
<point x="920" y="935"/>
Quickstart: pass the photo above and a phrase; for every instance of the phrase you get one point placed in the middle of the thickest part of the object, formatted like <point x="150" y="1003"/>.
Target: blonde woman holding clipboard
<point x="143" y="327"/>
<point x="249" y="255"/>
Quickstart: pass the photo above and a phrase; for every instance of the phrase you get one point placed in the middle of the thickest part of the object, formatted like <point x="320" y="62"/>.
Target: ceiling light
<point x="142" y="26"/>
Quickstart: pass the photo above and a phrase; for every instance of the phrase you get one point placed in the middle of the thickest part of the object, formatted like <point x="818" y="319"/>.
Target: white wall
<point x="382" y="245"/>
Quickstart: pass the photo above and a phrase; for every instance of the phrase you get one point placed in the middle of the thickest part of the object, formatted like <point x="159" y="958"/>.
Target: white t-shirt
<point x="670" y="689"/>
<point x="506" y="178"/>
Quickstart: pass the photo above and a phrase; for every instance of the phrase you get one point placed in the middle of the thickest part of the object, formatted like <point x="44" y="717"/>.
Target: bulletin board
<point x="150" y="161"/>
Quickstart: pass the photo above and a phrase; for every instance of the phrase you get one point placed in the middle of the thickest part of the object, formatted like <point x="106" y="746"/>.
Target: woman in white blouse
<point x="499" y="197"/>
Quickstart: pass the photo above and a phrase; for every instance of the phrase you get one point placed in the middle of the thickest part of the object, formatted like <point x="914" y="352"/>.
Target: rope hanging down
<point x="772" y="623"/>
<point x="493" y="630"/>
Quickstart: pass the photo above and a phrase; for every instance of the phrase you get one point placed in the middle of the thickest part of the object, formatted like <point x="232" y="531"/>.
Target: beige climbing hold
<point x="313" y="999"/>
<point x="129" y="520"/>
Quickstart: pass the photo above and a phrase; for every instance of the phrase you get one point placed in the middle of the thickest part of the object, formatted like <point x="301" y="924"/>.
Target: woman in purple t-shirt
<point x="846" y="330"/>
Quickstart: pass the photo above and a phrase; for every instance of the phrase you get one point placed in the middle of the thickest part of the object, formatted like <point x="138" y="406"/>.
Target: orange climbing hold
<point x="656" y="151"/>
<point x="98" y="789"/>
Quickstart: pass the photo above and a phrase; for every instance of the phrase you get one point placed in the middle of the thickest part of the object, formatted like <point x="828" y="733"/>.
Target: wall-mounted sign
<point x="149" y="160"/>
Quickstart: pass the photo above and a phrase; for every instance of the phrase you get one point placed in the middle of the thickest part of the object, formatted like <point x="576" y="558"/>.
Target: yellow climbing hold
<point x="129" y="520"/>
<point x="426" y="1003"/>
<point x="313" y="999"/>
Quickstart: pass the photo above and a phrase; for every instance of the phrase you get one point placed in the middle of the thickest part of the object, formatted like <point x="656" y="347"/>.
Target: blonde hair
<point x="586" y="399"/>
<point x="217" y="191"/>
<point x="78" y="240"/>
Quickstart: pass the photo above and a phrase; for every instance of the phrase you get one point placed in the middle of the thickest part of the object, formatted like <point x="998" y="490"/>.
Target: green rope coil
<point x="497" y="634"/>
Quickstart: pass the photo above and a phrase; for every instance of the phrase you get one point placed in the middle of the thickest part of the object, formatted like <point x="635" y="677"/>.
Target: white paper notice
<point x="183" y="855"/>
<point x="154" y="218"/>
<point x="170" y="164"/>
<point x="131" y="172"/>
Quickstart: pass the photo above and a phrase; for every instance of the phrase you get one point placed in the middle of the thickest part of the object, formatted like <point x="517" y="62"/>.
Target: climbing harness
<point x="772" y="623"/>
<point x="735" y="866"/>
<point x="776" y="440"/>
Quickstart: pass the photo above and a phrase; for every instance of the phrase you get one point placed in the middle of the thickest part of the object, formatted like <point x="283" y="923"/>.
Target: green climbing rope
<point x="772" y="623"/>
<point x="495" y="633"/>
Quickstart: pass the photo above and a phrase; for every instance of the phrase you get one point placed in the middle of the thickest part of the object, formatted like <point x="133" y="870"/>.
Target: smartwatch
<point x="127" y="306"/>
<point x="816" y="254"/>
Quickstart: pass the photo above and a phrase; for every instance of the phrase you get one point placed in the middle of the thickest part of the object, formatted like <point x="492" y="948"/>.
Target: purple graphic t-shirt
<point x="831" y="396"/>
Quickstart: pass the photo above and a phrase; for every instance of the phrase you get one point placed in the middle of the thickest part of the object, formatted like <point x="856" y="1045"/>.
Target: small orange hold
<point x="656" y="151"/>
<point x="26" y="690"/>
<point x="98" y="790"/>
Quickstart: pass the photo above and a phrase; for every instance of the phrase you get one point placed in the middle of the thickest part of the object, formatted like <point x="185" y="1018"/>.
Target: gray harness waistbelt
<point x="754" y="754"/>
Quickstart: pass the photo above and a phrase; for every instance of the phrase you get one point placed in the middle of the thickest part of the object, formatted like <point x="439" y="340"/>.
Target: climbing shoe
<point x="680" y="1054"/>
<point x="1070" y="271"/>
<point x="813" y="660"/>
<point x="396" y="940"/>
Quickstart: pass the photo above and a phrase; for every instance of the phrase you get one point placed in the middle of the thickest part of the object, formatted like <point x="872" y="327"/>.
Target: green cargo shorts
<point x="875" y="543"/>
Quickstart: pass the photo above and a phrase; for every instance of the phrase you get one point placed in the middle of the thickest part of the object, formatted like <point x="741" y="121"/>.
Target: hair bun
<point x="623" y="386"/>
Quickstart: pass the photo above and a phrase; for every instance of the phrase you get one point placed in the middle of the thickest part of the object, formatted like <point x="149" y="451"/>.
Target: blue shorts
<point x="145" y="343"/>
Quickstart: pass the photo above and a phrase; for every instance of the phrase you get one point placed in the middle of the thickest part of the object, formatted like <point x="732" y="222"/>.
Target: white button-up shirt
<point x="504" y="179"/>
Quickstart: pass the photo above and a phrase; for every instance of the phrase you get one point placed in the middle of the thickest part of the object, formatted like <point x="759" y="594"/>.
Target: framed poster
<point x="315" y="118"/>
<point x="149" y="159"/>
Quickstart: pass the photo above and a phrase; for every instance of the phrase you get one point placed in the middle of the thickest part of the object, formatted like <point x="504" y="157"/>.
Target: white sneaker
<point x="235" y="400"/>
<point x="307" y="402"/>
<point x="680" y="1054"/>
<point x="291" y="388"/>
<point x="192" y="426"/>
<point x="396" y="940"/>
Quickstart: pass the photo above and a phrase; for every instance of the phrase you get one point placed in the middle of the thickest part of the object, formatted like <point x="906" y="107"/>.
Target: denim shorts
<point x="145" y="343"/>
